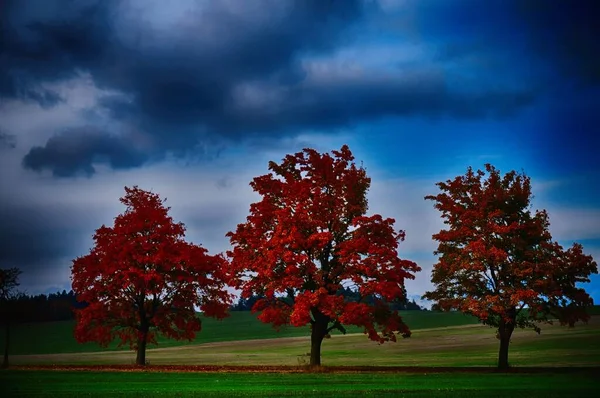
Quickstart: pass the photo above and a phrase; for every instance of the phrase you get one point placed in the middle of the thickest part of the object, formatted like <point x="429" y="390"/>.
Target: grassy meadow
<point x="439" y="339"/>
<point x="57" y="337"/>
<point x="416" y="366"/>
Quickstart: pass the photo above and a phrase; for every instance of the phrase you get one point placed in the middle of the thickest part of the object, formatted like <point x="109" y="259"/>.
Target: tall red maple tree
<point x="307" y="238"/>
<point x="497" y="260"/>
<point x="142" y="277"/>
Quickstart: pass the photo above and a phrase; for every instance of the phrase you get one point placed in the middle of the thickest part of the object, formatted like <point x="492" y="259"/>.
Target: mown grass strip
<point x="128" y="384"/>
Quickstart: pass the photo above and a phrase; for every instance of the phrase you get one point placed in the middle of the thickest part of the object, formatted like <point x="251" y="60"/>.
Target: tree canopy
<point x="497" y="260"/>
<point x="142" y="277"/>
<point x="308" y="238"/>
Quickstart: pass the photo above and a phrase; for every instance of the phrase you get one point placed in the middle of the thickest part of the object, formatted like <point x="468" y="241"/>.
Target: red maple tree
<point x="497" y="260"/>
<point x="142" y="277"/>
<point x="307" y="238"/>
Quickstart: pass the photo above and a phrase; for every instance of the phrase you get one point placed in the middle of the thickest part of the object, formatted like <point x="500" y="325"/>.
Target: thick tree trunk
<point x="505" y="332"/>
<point x="141" y="347"/>
<point x="6" y="344"/>
<point x="315" y="347"/>
<point x="319" y="330"/>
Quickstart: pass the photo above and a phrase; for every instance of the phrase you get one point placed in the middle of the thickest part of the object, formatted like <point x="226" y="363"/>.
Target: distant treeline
<point x="43" y="307"/>
<point x="244" y="304"/>
<point x="59" y="306"/>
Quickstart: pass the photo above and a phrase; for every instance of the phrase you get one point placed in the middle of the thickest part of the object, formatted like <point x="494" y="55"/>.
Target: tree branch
<point x="337" y="325"/>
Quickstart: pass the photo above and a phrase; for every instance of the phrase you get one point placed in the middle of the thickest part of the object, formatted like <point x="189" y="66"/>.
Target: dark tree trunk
<point x="505" y="332"/>
<point x="319" y="330"/>
<point x="141" y="347"/>
<point x="6" y="344"/>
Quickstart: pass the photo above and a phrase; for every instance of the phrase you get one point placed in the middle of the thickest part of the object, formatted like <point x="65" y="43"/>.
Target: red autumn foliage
<point x="309" y="236"/>
<point x="142" y="277"/>
<point x="497" y="260"/>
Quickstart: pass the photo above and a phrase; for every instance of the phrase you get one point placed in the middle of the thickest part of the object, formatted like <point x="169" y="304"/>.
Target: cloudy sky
<point x="191" y="99"/>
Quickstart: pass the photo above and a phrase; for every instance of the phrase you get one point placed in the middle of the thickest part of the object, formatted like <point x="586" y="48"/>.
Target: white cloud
<point x="50" y="278"/>
<point x="212" y="198"/>
<point x="567" y="222"/>
<point x="573" y="223"/>
<point x="403" y="200"/>
<point x="32" y="124"/>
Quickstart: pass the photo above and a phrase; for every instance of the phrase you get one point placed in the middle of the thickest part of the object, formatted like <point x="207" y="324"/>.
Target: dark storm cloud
<point x="339" y="102"/>
<point x="566" y="32"/>
<point x="42" y="235"/>
<point x="46" y="41"/>
<point x="74" y="151"/>
<point x="568" y="138"/>
<point x="557" y="35"/>
<point x="28" y="92"/>
<point x="178" y="79"/>
<point x="180" y="86"/>
<point x="178" y="83"/>
<point x="29" y="238"/>
<point x="26" y="243"/>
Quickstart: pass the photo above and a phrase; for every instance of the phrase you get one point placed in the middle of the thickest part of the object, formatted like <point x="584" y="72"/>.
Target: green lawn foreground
<point x="37" y="383"/>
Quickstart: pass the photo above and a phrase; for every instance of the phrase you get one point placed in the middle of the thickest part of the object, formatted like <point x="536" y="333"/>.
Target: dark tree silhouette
<point x="9" y="281"/>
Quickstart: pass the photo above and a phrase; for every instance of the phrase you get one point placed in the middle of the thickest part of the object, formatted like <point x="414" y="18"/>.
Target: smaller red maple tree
<point x="142" y="277"/>
<point x="498" y="261"/>
<point x="308" y="238"/>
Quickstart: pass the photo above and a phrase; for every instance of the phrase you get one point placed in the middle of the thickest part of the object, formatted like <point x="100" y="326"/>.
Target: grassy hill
<point x="440" y="341"/>
<point x="57" y="337"/>
<point x="455" y="346"/>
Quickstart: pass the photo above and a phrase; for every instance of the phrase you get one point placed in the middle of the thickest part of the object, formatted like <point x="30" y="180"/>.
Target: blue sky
<point x="192" y="98"/>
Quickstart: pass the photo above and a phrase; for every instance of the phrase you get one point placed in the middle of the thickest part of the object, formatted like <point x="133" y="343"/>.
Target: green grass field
<point x="462" y="346"/>
<point x="439" y="340"/>
<point x="150" y="384"/>
<point x="57" y="337"/>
